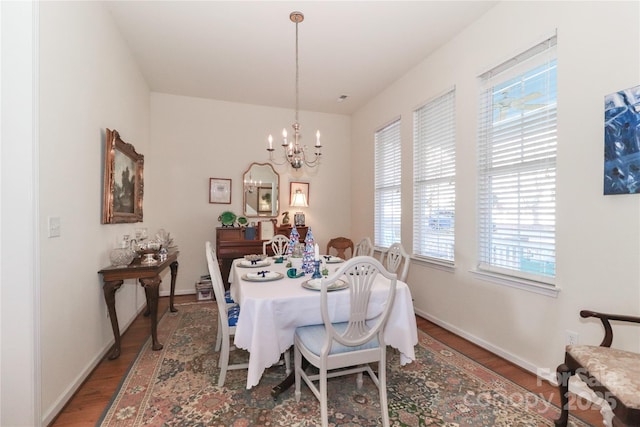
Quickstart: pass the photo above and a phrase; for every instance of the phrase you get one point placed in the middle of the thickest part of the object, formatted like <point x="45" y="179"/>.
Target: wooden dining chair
<point x="364" y="248"/>
<point x="397" y="257"/>
<point x="278" y="243"/>
<point x="349" y="347"/>
<point x="613" y="374"/>
<point x="340" y="245"/>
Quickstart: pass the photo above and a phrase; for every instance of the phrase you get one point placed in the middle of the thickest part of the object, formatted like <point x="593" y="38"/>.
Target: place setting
<point x="254" y="261"/>
<point x="315" y="285"/>
<point x="262" y="276"/>
<point x="330" y="259"/>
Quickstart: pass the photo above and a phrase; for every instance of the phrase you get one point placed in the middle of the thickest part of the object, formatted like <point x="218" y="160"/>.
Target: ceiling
<point x="244" y="51"/>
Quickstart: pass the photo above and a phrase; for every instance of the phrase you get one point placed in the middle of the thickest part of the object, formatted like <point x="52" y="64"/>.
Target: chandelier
<point x="296" y="154"/>
<point x="251" y="184"/>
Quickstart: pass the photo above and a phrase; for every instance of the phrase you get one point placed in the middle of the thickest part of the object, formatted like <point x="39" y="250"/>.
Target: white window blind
<point x="434" y="178"/>
<point x="517" y="166"/>
<point x="387" y="185"/>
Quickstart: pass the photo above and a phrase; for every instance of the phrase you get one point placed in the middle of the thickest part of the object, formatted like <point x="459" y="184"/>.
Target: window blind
<point x="517" y="166"/>
<point x="387" y="185"/>
<point x="434" y="184"/>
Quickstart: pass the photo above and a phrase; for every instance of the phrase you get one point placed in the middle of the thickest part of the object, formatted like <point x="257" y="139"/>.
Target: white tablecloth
<point x="271" y="311"/>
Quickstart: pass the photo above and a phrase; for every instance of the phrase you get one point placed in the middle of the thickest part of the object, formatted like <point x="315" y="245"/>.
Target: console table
<point x="149" y="277"/>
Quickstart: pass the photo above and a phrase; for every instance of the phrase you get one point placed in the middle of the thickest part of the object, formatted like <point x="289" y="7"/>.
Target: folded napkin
<point x="262" y="275"/>
<point x="254" y="263"/>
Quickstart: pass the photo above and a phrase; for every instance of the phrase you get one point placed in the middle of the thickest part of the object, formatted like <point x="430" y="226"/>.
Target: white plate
<point x="257" y="277"/>
<point x="314" y="284"/>
<point x="247" y="264"/>
<point x="332" y="259"/>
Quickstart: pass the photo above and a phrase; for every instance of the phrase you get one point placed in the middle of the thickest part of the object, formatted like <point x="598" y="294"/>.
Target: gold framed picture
<point x="123" y="181"/>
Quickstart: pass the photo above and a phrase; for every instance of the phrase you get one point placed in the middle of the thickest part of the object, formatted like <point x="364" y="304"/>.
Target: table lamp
<point x="299" y="200"/>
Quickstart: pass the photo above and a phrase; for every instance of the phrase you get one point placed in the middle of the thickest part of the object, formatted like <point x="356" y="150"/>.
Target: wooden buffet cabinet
<point x="231" y="244"/>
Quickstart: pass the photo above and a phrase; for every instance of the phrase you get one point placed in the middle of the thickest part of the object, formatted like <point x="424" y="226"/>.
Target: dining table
<point x="271" y="308"/>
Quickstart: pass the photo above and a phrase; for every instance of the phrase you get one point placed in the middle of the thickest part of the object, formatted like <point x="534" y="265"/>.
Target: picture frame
<point x="123" y="184"/>
<point x="295" y="186"/>
<point x="220" y="190"/>
<point x="265" y="199"/>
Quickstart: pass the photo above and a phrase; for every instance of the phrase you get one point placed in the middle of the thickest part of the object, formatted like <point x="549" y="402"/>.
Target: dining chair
<point x="340" y="245"/>
<point x="396" y="257"/>
<point x="227" y="316"/>
<point x="279" y="245"/>
<point x="612" y="374"/>
<point x="364" y="248"/>
<point x="216" y="265"/>
<point x="349" y="347"/>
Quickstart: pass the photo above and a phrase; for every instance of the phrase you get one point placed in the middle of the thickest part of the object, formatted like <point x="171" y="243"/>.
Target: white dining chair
<point x="364" y="248"/>
<point x="353" y="344"/>
<point x="209" y="247"/>
<point x="279" y="245"/>
<point x="227" y="318"/>
<point x="396" y="257"/>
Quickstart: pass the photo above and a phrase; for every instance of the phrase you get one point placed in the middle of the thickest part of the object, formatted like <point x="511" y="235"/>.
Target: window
<point x="517" y="166"/>
<point x="387" y="185"/>
<point x="434" y="174"/>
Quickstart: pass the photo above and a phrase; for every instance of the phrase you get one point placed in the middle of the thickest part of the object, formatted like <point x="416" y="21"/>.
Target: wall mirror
<point x="261" y="187"/>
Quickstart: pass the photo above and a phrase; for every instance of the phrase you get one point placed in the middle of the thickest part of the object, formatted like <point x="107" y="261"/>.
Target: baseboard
<point x="50" y="415"/>
<point x="182" y="292"/>
<point x="576" y="386"/>
<point x="481" y="343"/>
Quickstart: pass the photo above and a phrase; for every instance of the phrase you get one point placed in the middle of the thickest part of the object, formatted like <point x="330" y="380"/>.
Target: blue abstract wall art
<point x="622" y="142"/>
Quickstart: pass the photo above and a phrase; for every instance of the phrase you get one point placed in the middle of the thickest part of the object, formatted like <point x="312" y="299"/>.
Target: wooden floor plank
<point x="88" y="403"/>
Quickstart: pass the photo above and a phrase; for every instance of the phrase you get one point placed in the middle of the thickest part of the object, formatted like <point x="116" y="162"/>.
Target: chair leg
<point x="224" y="360"/>
<point x="297" y="367"/>
<point x="382" y="385"/>
<point x="359" y="380"/>
<point x="219" y="335"/>
<point x="287" y="361"/>
<point x="324" y="410"/>
<point x="563" y="374"/>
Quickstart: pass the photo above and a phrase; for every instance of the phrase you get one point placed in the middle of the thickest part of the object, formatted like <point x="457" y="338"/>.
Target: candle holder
<point x="316" y="271"/>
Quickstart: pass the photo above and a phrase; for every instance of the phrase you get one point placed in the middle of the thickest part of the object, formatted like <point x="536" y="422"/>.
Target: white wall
<point x="598" y="243"/>
<point x="19" y="339"/>
<point x="194" y="139"/>
<point x="88" y="82"/>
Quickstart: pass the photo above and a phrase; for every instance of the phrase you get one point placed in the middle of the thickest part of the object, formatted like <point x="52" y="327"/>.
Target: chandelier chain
<point x="295" y="153"/>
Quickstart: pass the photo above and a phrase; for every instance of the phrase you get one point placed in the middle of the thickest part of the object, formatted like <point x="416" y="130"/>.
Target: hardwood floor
<point x="86" y="406"/>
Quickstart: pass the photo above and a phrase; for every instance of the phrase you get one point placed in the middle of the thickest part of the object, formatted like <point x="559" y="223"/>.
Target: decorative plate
<point x="227" y="218"/>
<point x="242" y="220"/>
<point x="330" y="259"/>
<point x="262" y="276"/>
<point x="249" y="264"/>
<point x="314" y="284"/>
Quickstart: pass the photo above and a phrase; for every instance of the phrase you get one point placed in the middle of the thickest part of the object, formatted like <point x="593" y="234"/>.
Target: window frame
<point x="533" y="170"/>
<point x="388" y="184"/>
<point x="434" y="179"/>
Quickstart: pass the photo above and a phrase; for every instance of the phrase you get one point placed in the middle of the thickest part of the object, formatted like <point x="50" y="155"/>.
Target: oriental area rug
<point x="177" y="386"/>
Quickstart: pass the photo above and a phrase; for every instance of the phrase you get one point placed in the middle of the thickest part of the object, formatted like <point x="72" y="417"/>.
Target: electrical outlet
<point x="54" y="226"/>
<point x="571" y="338"/>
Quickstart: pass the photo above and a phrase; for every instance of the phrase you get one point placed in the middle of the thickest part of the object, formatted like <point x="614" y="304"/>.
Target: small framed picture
<point x="219" y="190"/>
<point x="297" y="188"/>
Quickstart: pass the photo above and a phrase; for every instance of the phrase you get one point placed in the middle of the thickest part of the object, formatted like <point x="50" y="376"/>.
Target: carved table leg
<point x="109" y="289"/>
<point x="151" y="289"/>
<point x="174" y="274"/>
